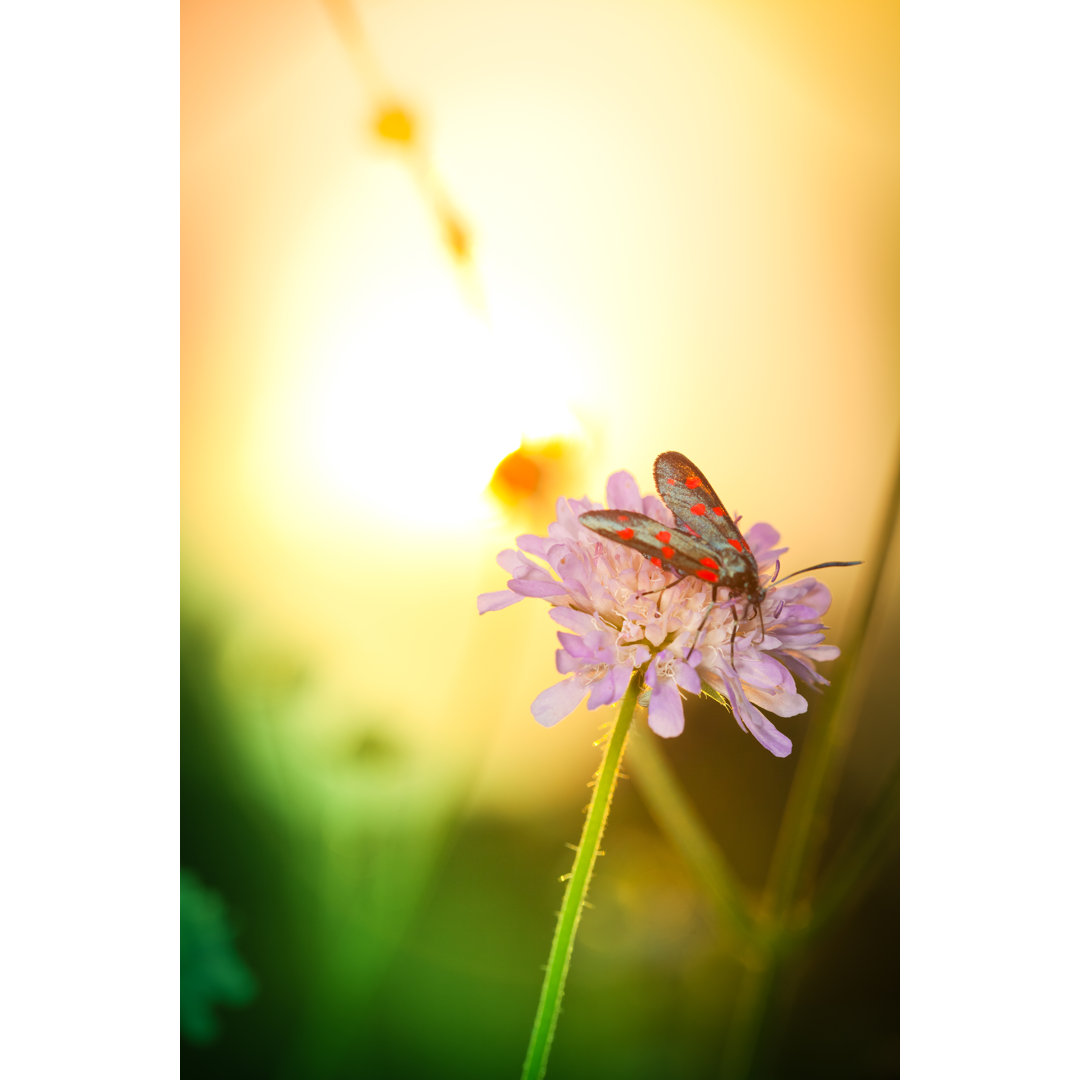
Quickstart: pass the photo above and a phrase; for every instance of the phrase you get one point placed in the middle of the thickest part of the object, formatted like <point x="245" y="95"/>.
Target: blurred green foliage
<point x="397" y="936"/>
<point x="211" y="972"/>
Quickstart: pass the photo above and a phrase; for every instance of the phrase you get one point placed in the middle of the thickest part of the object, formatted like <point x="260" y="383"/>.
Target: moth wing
<point x="691" y="498"/>
<point x="661" y="544"/>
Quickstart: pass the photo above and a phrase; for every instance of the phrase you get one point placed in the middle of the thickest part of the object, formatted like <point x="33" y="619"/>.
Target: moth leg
<point x="663" y="588"/>
<point x="701" y="625"/>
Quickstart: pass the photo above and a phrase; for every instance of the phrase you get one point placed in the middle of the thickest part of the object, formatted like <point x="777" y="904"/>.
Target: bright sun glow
<point x="423" y="385"/>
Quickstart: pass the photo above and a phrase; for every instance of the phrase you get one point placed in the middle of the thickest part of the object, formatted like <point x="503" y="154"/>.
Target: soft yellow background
<point x="682" y="224"/>
<point x="684" y="219"/>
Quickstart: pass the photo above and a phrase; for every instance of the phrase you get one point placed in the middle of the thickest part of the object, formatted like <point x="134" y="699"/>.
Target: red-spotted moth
<point x="706" y="544"/>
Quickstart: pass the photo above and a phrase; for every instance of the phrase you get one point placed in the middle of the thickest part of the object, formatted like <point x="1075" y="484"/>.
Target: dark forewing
<point x="690" y="497"/>
<point x="663" y="545"/>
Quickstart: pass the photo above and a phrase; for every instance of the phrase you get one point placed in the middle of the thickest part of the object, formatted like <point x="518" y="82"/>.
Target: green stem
<point x="547" y="1012"/>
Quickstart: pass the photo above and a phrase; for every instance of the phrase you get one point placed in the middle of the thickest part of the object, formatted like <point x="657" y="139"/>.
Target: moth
<point x="706" y="543"/>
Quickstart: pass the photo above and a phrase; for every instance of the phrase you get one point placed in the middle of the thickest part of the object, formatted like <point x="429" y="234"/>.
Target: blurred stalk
<point x="346" y="24"/>
<point x="859" y="861"/>
<point x="805" y="816"/>
<point x="395" y="124"/>
<point x="547" y="1012"/>
<point x="674" y="814"/>
<point x="803" y="827"/>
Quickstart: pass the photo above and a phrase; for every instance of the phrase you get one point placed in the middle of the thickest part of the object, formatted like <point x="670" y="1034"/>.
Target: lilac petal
<point x="557" y="701"/>
<point x="817" y="595"/>
<point x="603" y="691"/>
<point x="688" y="678"/>
<point x="764" y="672"/>
<point x="770" y="554"/>
<point x="765" y="646"/>
<point x="650" y="674"/>
<point x="795" y="612"/>
<point x="583" y="506"/>
<point x="601" y="650"/>
<point x="666" y="710"/>
<point x="513" y="562"/>
<point x="780" y="703"/>
<point x="534" y="545"/>
<point x="566" y="519"/>
<point x="753" y="720"/>
<point x="621" y="680"/>
<point x="495" y="601"/>
<point x="774" y="741"/>
<point x="805" y="633"/>
<point x="527" y="587"/>
<point x="801" y="642"/>
<point x="565" y="662"/>
<point x="574" y="645"/>
<point x="761" y="536"/>
<point x="822" y="652"/>
<point x="654" y="508"/>
<point x="574" y="594"/>
<point x="573" y="619"/>
<point x="561" y="554"/>
<point x="622" y="492"/>
<point x="574" y="579"/>
<point x="800" y="670"/>
<point x="762" y="539"/>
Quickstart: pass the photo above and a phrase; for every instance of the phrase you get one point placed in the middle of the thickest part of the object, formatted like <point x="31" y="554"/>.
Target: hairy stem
<point x="558" y="965"/>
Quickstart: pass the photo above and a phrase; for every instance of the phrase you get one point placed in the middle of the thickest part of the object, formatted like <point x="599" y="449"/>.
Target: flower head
<point x="599" y="593"/>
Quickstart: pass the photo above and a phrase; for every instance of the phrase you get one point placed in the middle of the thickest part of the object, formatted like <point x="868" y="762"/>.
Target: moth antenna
<point x="761" y="619"/>
<point x="816" y="566"/>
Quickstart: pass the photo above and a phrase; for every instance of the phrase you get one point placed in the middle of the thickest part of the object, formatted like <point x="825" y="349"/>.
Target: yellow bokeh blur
<point x="443" y="262"/>
<point x="618" y="228"/>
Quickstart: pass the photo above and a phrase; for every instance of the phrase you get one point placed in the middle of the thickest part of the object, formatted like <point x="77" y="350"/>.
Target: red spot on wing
<point x="709" y="562"/>
<point x="622" y="517"/>
<point x="738" y="545"/>
<point x="626" y="534"/>
<point x="655" y="560"/>
<point x="693" y="481"/>
<point x="707" y="575"/>
<point x="671" y="480"/>
<point x="663" y="536"/>
<point x="719" y="510"/>
<point x="698" y="508"/>
<point x="667" y="552"/>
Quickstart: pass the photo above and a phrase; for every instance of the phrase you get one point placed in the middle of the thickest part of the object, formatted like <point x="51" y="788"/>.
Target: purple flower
<point x="597" y="590"/>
